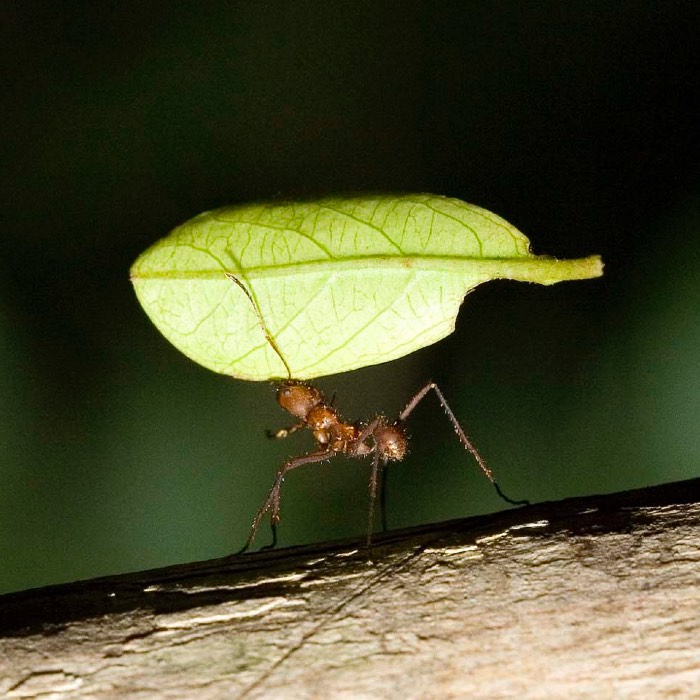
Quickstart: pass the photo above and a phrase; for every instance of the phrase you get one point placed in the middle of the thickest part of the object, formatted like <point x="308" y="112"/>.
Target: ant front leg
<point x="285" y="432"/>
<point x="272" y="502"/>
<point x="466" y="442"/>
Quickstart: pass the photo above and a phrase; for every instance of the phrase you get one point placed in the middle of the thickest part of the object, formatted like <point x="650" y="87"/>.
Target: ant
<point x="386" y="441"/>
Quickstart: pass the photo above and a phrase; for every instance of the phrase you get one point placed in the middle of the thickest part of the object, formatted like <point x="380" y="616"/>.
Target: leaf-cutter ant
<point x="384" y="440"/>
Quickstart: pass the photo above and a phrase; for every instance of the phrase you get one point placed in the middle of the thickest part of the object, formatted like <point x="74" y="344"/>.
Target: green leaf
<point x="341" y="283"/>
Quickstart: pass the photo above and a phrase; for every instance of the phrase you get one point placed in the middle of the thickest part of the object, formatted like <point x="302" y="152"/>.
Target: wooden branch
<point x="590" y="597"/>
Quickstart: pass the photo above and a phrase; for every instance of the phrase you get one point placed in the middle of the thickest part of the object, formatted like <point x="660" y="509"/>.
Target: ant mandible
<point x="386" y="441"/>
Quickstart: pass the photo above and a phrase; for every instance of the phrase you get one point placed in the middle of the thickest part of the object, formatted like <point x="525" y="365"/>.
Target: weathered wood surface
<point x="594" y="597"/>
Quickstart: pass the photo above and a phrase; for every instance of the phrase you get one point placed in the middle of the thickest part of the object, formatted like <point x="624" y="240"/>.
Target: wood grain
<point x="590" y="597"/>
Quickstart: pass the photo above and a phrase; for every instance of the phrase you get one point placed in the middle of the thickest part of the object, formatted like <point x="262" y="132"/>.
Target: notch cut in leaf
<point x="342" y="282"/>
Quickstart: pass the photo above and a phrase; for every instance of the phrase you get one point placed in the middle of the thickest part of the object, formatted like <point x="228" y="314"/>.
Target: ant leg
<point x="360" y="448"/>
<point x="284" y="432"/>
<point x="373" y="483"/>
<point x="466" y="442"/>
<point x="273" y="544"/>
<point x="366" y="432"/>
<point x="382" y="498"/>
<point x="272" y="502"/>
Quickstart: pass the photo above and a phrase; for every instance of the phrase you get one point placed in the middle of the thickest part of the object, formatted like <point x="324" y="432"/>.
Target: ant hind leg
<point x="378" y="464"/>
<point x="466" y="442"/>
<point x="382" y="498"/>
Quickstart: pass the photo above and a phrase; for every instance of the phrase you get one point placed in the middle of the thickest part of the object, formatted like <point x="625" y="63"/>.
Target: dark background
<point x="577" y="122"/>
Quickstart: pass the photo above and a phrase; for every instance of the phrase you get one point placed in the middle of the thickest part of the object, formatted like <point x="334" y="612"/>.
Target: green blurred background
<point x="577" y="122"/>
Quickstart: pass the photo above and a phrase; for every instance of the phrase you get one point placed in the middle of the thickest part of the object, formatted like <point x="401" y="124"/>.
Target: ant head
<point x="391" y="441"/>
<point x="298" y="398"/>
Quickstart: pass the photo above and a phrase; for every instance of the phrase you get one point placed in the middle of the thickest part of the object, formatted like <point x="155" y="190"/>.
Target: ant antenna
<point x="258" y="313"/>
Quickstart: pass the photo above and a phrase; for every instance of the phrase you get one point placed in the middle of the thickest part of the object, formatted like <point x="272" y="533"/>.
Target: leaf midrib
<point x="531" y="267"/>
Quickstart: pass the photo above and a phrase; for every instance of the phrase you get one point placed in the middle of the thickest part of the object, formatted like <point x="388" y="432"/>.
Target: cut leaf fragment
<point x="341" y="283"/>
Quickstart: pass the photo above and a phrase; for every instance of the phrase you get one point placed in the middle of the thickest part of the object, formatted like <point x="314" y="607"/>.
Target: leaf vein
<point x="368" y="224"/>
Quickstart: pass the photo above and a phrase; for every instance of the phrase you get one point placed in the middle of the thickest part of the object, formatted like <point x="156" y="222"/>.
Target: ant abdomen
<point x="391" y="441"/>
